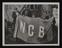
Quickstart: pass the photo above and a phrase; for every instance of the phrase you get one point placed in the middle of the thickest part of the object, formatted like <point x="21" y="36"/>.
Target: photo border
<point x="3" y="27"/>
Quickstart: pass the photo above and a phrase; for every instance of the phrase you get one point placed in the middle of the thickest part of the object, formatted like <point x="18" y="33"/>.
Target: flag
<point x="31" y="29"/>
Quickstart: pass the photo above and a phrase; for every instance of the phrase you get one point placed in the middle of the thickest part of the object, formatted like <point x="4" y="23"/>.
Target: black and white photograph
<point x="30" y="24"/>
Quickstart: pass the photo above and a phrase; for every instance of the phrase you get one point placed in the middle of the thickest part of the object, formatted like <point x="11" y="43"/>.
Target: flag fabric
<point x="31" y="29"/>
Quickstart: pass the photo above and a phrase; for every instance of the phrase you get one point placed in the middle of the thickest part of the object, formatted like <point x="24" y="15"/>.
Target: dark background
<point x="1" y="1"/>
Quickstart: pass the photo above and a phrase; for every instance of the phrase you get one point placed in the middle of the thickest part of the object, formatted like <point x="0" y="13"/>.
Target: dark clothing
<point x="14" y="19"/>
<point x="53" y="25"/>
<point x="54" y="21"/>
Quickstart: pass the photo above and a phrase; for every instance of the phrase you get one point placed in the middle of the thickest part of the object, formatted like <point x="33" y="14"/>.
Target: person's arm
<point x="16" y="27"/>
